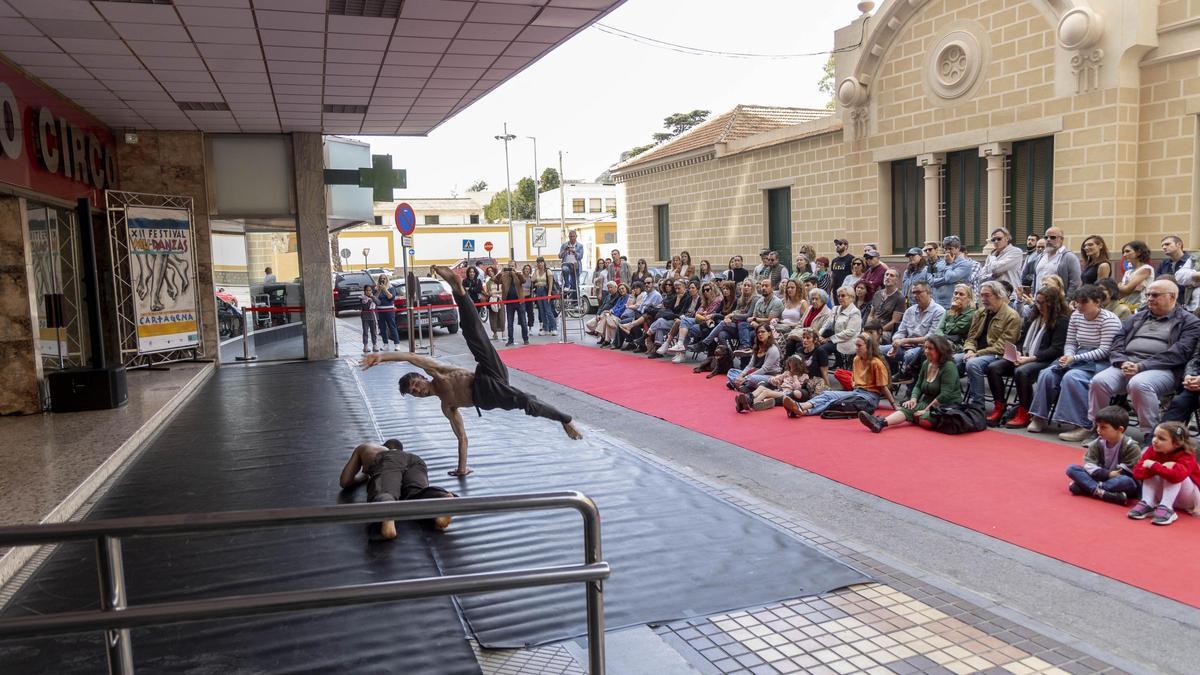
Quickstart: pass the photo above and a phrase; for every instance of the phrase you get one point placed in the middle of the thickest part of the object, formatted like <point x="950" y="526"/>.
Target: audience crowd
<point x="1105" y="352"/>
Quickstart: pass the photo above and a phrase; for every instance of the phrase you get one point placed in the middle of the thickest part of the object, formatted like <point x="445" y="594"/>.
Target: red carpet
<point x="1007" y="486"/>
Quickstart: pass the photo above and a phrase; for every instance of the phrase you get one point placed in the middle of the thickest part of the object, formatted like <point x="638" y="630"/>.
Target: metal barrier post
<point x="111" y="567"/>
<point x="431" y="330"/>
<point x="247" y="319"/>
<point x="595" y="589"/>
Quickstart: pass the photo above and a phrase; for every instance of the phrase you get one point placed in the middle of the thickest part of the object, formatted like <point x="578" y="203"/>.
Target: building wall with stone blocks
<point x="1117" y="85"/>
<point x="20" y="363"/>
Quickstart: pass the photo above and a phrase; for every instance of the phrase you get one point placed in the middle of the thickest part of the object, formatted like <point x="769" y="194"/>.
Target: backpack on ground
<point x="957" y="419"/>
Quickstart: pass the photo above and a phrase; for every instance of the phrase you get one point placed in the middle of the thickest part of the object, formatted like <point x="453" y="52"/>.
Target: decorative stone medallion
<point x="954" y="64"/>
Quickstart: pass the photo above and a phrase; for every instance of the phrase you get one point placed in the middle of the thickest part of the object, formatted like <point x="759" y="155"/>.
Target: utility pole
<point x="562" y="199"/>
<point x="537" y="198"/>
<point x="512" y="253"/>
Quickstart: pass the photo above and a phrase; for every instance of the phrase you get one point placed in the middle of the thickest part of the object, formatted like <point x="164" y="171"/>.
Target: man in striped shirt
<point x="1090" y="336"/>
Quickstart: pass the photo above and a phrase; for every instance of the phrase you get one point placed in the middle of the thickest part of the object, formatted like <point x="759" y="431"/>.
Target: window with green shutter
<point x="908" y="205"/>
<point x="662" y="222"/>
<point x="1031" y="187"/>
<point x="964" y="194"/>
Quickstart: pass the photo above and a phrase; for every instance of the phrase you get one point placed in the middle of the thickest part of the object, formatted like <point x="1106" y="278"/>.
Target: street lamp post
<point x="512" y="255"/>
<point x="537" y="194"/>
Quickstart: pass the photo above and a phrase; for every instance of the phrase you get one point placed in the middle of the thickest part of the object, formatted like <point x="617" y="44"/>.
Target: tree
<point x="550" y="180"/>
<point x="826" y="84"/>
<point x="497" y="209"/>
<point x="675" y="124"/>
<point x="636" y="150"/>
<point x="478" y="186"/>
<point x="525" y="199"/>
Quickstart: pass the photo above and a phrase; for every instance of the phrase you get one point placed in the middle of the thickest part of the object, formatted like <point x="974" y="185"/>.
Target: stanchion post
<point x="248" y="317"/>
<point x="430" y="324"/>
<point x="111" y="567"/>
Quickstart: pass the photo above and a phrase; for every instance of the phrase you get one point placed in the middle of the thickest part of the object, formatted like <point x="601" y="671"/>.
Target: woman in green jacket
<point x="936" y="385"/>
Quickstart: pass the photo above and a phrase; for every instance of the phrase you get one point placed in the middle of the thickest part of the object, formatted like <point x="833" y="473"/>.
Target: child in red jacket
<point x="1169" y="475"/>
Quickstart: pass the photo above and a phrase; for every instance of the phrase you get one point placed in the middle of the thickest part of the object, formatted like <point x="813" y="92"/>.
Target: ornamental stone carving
<point x="954" y="64"/>
<point x="1080" y="30"/>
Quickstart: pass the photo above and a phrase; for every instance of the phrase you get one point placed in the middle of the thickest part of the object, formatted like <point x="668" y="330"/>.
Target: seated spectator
<point x="862" y="297"/>
<point x="1112" y="300"/>
<point x="807" y="350"/>
<point x="917" y="323"/>
<point x="1090" y="334"/>
<point x="675" y="299"/>
<point x="874" y="329"/>
<point x="857" y="268"/>
<point x="994" y="325"/>
<point x="633" y="311"/>
<point x="705" y="272"/>
<point x="888" y="305"/>
<point x="794" y="307"/>
<point x="1186" y="401"/>
<point x="822" y="278"/>
<point x="1026" y="305"/>
<point x="735" y="325"/>
<point x="953" y="269"/>
<point x="916" y="271"/>
<point x="1147" y="360"/>
<point x="687" y="325"/>
<point x="1134" y="284"/>
<point x="764" y="362"/>
<point x="1041" y="342"/>
<point x="803" y="265"/>
<point x="840" y="330"/>
<point x="936" y="385"/>
<point x="1169" y="475"/>
<point x="647" y="308"/>
<point x="765" y="311"/>
<point x="612" y="317"/>
<point x="1107" y="469"/>
<point x="736" y="272"/>
<point x="594" y="325"/>
<point x="642" y="273"/>
<point x="687" y="306"/>
<point x="792" y="382"/>
<point x="870" y="382"/>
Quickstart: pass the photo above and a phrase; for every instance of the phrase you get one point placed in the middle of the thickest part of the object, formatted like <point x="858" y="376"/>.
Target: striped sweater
<point x="1091" y="340"/>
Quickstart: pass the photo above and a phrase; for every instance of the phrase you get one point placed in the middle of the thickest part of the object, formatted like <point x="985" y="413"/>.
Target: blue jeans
<point x="828" y="397"/>
<point x="905" y="359"/>
<point x="751" y="382"/>
<point x="1049" y="386"/>
<point x="1121" y="483"/>
<point x="517" y="310"/>
<point x="740" y="330"/>
<point x="387" y="325"/>
<point x="545" y="310"/>
<point x="977" y="379"/>
<point x="569" y="277"/>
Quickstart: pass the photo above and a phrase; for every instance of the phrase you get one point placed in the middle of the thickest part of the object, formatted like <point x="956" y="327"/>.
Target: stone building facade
<point x="956" y="117"/>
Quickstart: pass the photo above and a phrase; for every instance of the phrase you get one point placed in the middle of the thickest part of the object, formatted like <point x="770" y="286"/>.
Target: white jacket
<point x="847" y="324"/>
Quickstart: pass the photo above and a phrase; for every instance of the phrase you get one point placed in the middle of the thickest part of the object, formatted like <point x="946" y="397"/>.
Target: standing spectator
<point x="1137" y="278"/>
<point x="811" y="253"/>
<point x="268" y="276"/>
<point x="1176" y="258"/>
<point x="839" y="267"/>
<point x="772" y="270"/>
<point x="1147" y="360"/>
<point x="1095" y="260"/>
<point x="823" y="277"/>
<point x="990" y="329"/>
<point x="932" y="256"/>
<point x="953" y="269"/>
<point x="527" y="289"/>
<point x="1058" y="259"/>
<point x="888" y="305"/>
<point x="1030" y="262"/>
<point x="491" y="286"/>
<point x="686" y="269"/>
<point x="385" y="304"/>
<point x="619" y="271"/>
<point x="512" y="289"/>
<point x="1090" y="334"/>
<point x="876" y="270"/>
<point x="543" y="286"/>
<point x="736" y="272"/>
<point x="857" y="268"/>
<point x="1004" y="262"/>
<point x="1041" y="343"/>
<point x="802" y="267"/>
<point x="917" y="323"/>
<point x="1169" y="475"/>
<point x="367" y="315"/>
<point x="571" y="255"/>
<point x="1108" y="462"/>
<point x="917" y="270"/>
<point x="675" y="269"/>
<point x="870" y="375"/>
<point x="936" y="385"/>
<point x="600" y="278"/>
<point x="473" y="284"/>
<point x="763" y="254"/>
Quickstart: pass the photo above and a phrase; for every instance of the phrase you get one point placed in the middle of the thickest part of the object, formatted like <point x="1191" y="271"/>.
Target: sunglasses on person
<point x="997" y="240"/>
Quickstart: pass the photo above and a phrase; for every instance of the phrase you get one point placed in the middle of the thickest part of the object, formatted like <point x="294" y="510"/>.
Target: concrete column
<point x="997" y="186"/>
<point x="20" y="364"/>
<point x="312" y="228"/>
<point x="933" y="162"/>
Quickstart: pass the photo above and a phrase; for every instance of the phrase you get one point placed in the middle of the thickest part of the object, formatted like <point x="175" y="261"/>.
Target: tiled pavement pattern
<point x="900" y="625"/>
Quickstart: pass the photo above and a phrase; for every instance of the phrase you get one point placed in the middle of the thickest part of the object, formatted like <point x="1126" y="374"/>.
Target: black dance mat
<point x="262" y="437"/>
<point x="675" y="550"/>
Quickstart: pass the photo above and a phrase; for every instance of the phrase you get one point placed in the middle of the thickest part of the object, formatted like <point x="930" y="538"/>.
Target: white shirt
<point x="1047" y="265"/>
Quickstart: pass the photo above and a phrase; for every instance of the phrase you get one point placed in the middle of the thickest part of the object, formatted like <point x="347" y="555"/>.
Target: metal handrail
<point x="116" y="618"/>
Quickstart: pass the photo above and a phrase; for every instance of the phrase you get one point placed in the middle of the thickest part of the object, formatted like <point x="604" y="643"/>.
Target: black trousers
<point x="396" y="475"/>
<point x="1024" y="377"/>
<point x="1183" y="405"/>
<point x="491" y="389"/>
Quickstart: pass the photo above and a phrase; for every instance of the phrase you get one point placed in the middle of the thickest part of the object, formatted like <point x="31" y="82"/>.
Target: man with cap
<point x="873" y="277"/>
<point x="917" y="270"/>
<point x="840" y="265"/>
<point x="954" y="268"/>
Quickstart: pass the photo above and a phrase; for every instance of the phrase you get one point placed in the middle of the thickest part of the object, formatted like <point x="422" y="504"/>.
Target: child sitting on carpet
<point x="1108" y="462"/>
<point x="1169" y="475"/>
<point x="791" y="382"/>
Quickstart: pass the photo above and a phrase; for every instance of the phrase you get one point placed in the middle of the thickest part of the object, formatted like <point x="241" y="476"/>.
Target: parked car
<point x="433" y="292"/>
<point x="347" y="290"/>
<point x="460" y="267"/>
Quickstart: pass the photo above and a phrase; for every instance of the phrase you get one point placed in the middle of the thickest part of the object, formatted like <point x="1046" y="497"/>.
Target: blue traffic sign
<point x="468" y="245"/>
<point x="406" y="219"/>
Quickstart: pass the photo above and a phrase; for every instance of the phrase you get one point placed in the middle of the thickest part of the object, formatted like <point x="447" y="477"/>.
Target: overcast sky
<point x="600" y="94"/>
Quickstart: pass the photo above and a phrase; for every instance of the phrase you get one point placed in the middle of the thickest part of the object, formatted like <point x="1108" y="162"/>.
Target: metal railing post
<point x="248" y="317"/>
<point x="595" y="589"/>
<point x="430" y="324"/>
<point x="111" y="567"/>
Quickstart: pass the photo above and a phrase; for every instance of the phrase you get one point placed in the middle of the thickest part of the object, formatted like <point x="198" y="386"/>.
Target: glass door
<point x="58" y="286"/>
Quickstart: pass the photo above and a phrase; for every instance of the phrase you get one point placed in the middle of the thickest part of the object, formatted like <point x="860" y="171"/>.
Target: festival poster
<point x="48" y="275"/>
<point x="164" y="287"/>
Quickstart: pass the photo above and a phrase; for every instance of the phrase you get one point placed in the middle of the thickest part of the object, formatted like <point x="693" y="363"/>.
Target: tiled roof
<point x="742" y="121"/>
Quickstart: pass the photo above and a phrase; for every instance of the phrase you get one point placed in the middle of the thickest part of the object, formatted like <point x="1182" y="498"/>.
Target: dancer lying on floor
<point x="391" y="475"/>
<point x="487" y="388"/>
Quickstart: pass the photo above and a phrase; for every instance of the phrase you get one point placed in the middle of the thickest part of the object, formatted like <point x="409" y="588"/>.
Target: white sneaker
<point x="554" y="332"/>
<point x="663" y="349"/>
<point x="676" y="348"/>
<point x="541" y="332"/>
<point x="679" y="358"/>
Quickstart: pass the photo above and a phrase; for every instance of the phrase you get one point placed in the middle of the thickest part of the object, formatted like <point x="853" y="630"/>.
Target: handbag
<point x="955" y="418"/>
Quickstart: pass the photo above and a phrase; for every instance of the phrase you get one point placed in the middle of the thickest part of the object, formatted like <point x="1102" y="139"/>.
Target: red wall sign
<point x="48" y="145"/>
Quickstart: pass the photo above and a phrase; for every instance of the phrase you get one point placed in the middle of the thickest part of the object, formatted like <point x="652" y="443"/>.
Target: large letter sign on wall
<point x="162" y="271"/>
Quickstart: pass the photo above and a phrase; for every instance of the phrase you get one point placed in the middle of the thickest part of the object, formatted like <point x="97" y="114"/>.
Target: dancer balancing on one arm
<point x="487" y="388"/>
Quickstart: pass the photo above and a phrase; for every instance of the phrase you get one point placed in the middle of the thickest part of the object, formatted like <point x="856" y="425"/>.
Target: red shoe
<point x="993" y="417"/>
<point x="1020" y="419"/>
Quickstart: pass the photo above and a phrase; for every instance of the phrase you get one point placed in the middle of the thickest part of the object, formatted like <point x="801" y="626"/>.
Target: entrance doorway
<point x="58" y="286"/>
<point x="779" y="223"/>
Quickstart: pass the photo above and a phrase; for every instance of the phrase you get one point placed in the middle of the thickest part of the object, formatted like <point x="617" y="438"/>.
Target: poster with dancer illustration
<point x="162" y="267"/>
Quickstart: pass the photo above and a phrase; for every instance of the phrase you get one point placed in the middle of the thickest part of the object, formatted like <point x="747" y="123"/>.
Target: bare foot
<point x="451" y="278"/>
<point x="442" y="522"/>
<point x="569" y="427"/>
<point x="387" y="529"/>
